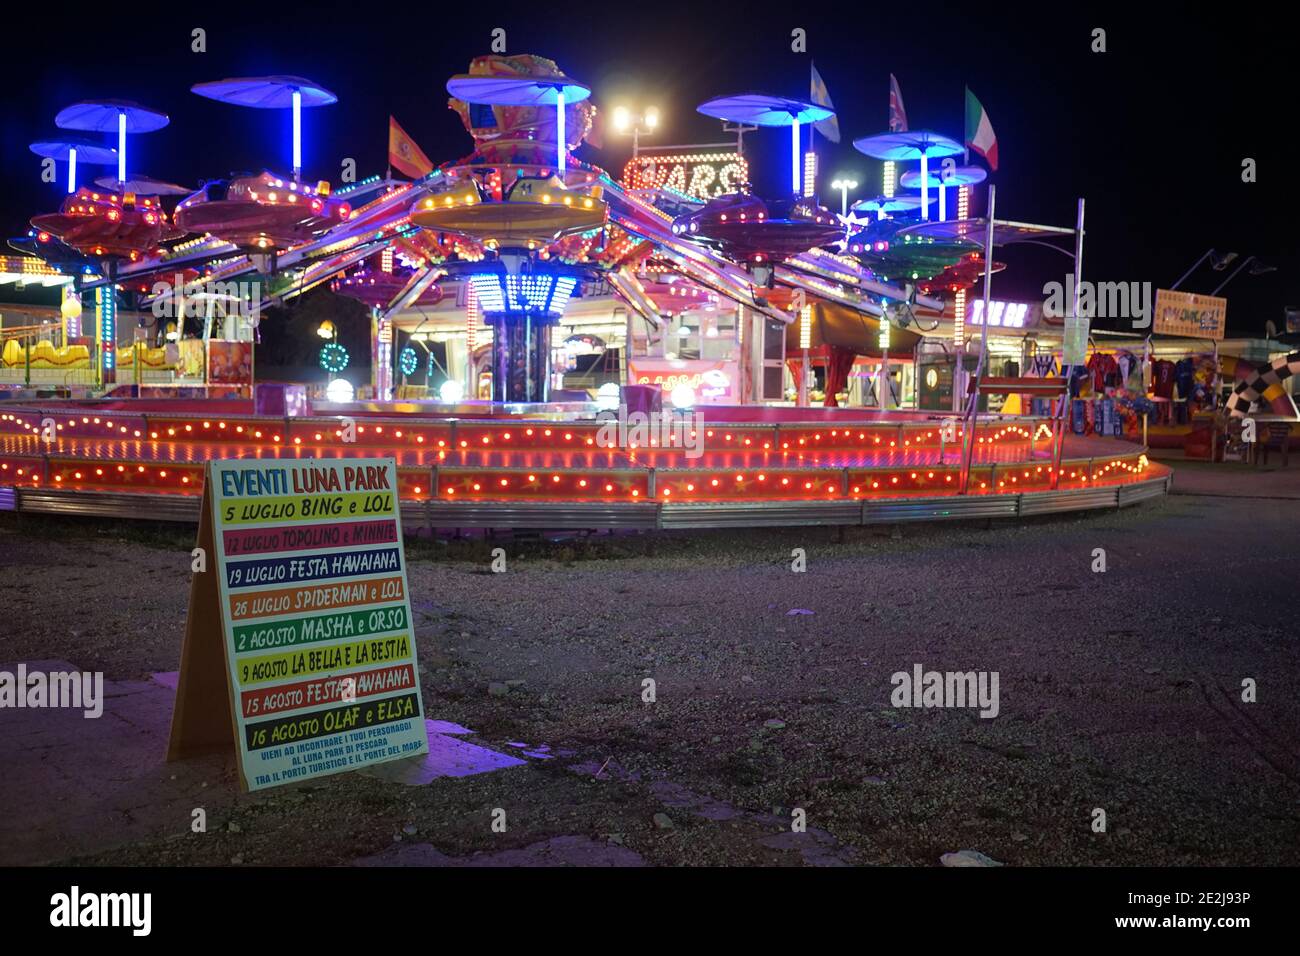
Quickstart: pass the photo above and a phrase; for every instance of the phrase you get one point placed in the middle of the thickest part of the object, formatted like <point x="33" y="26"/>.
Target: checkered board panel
<point x="1249" y="390"/>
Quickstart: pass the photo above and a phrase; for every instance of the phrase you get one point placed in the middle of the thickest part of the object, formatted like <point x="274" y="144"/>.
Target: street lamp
<point x="638" y="124"/>
<point x="1218" y="262"/>
<point x="844" y="185"/>
<point x="1257" y="269"/>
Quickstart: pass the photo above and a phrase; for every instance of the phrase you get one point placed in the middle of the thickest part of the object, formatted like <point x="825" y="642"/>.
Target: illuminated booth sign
<point x="584" y="344"/>
<point x="1005" y="315"/>
<point x="1188" y="313"/>
<point x="934" y="385"/>
<point x="712" y="381"/>
<point x="541" y="292"/>
<point x="698" y="175"/>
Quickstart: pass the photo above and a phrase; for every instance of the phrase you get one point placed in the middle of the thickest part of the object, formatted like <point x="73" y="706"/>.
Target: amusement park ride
<point x="107" y="227"/>
<point x="525" y="226"/>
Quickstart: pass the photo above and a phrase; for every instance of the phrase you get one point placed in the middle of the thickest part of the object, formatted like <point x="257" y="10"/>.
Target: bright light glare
<point x="683" y="396"/>
<point x="607" y="396"/>
<point x="451" y="391"/>
<point x="340" y="390"/>
<point x="651" y="118"/>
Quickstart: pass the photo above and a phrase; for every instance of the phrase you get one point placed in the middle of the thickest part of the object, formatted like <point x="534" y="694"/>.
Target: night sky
<point x="1151" y="132"/>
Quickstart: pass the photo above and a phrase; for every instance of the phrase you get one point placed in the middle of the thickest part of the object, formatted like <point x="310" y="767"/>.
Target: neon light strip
<point x="959" y="317"/>
<point x="559" y="132"/>
<point x="297" y="133"/>
<point x="121" y="146"/>
<point x="925" y="185"/>
<point x="106" y="316"/>
<point x="794" y="156"/>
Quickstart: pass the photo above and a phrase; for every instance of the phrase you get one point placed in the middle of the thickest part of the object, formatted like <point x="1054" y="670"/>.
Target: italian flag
<point x="979" y="131"/>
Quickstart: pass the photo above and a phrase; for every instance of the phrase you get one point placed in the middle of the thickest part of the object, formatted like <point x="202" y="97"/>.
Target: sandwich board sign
<point x="299" y="647"/>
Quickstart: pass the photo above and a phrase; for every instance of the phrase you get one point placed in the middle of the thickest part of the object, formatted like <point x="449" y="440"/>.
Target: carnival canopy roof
<point x="101" y="116"/>
<point x="141" y="185"/>
<point x="516" y="90"/>
<point x="87" y="151"/>
<point x="762" y="109"/>
<point x="1005" y="232"/>
<point x="266" y="92"/>
<point x="889" y="204"/>
<point x="838" y="325"/>
<point x="961" y="176"/>
<point x="907" y="144"/>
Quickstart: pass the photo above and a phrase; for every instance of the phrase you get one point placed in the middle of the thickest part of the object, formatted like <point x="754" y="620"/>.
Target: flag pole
<point x="965" y="154"/>
<point x="971" y="421"/>
<point x="1058" y="438"/>
<point x="988" y="285"/>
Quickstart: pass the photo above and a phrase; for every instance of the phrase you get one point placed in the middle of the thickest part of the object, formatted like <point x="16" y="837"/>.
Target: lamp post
<point x="638" y="124"/>
<point x="1219" y="263"/>
<point x="1258" y="269"/>
<point x="844" y="186"/>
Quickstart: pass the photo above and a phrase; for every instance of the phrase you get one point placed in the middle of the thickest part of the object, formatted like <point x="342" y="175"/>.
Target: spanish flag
<point x="404" y="154"/>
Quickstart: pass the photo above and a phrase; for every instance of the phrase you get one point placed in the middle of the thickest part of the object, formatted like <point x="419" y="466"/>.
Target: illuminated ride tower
<point x="534" y="213"/>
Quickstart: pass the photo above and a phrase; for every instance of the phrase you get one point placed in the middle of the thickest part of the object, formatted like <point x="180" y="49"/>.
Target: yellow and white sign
<point x="1190" y="314"/>
<point x="300" y="642"/>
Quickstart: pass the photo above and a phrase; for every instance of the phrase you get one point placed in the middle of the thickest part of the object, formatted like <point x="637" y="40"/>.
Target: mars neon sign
<point x="698" y="175"/>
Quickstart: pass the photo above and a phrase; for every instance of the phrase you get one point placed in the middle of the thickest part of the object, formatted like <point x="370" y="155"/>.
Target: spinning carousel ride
<point x="521" y="226"/>
<point x="535" y="215"/>
<point x="108" y="227"/>
<point x="265" y="212"/>
<point x="746" y="229"/>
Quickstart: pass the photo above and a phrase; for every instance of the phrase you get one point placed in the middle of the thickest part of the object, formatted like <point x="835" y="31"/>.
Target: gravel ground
<point x="1118" y="690"/>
